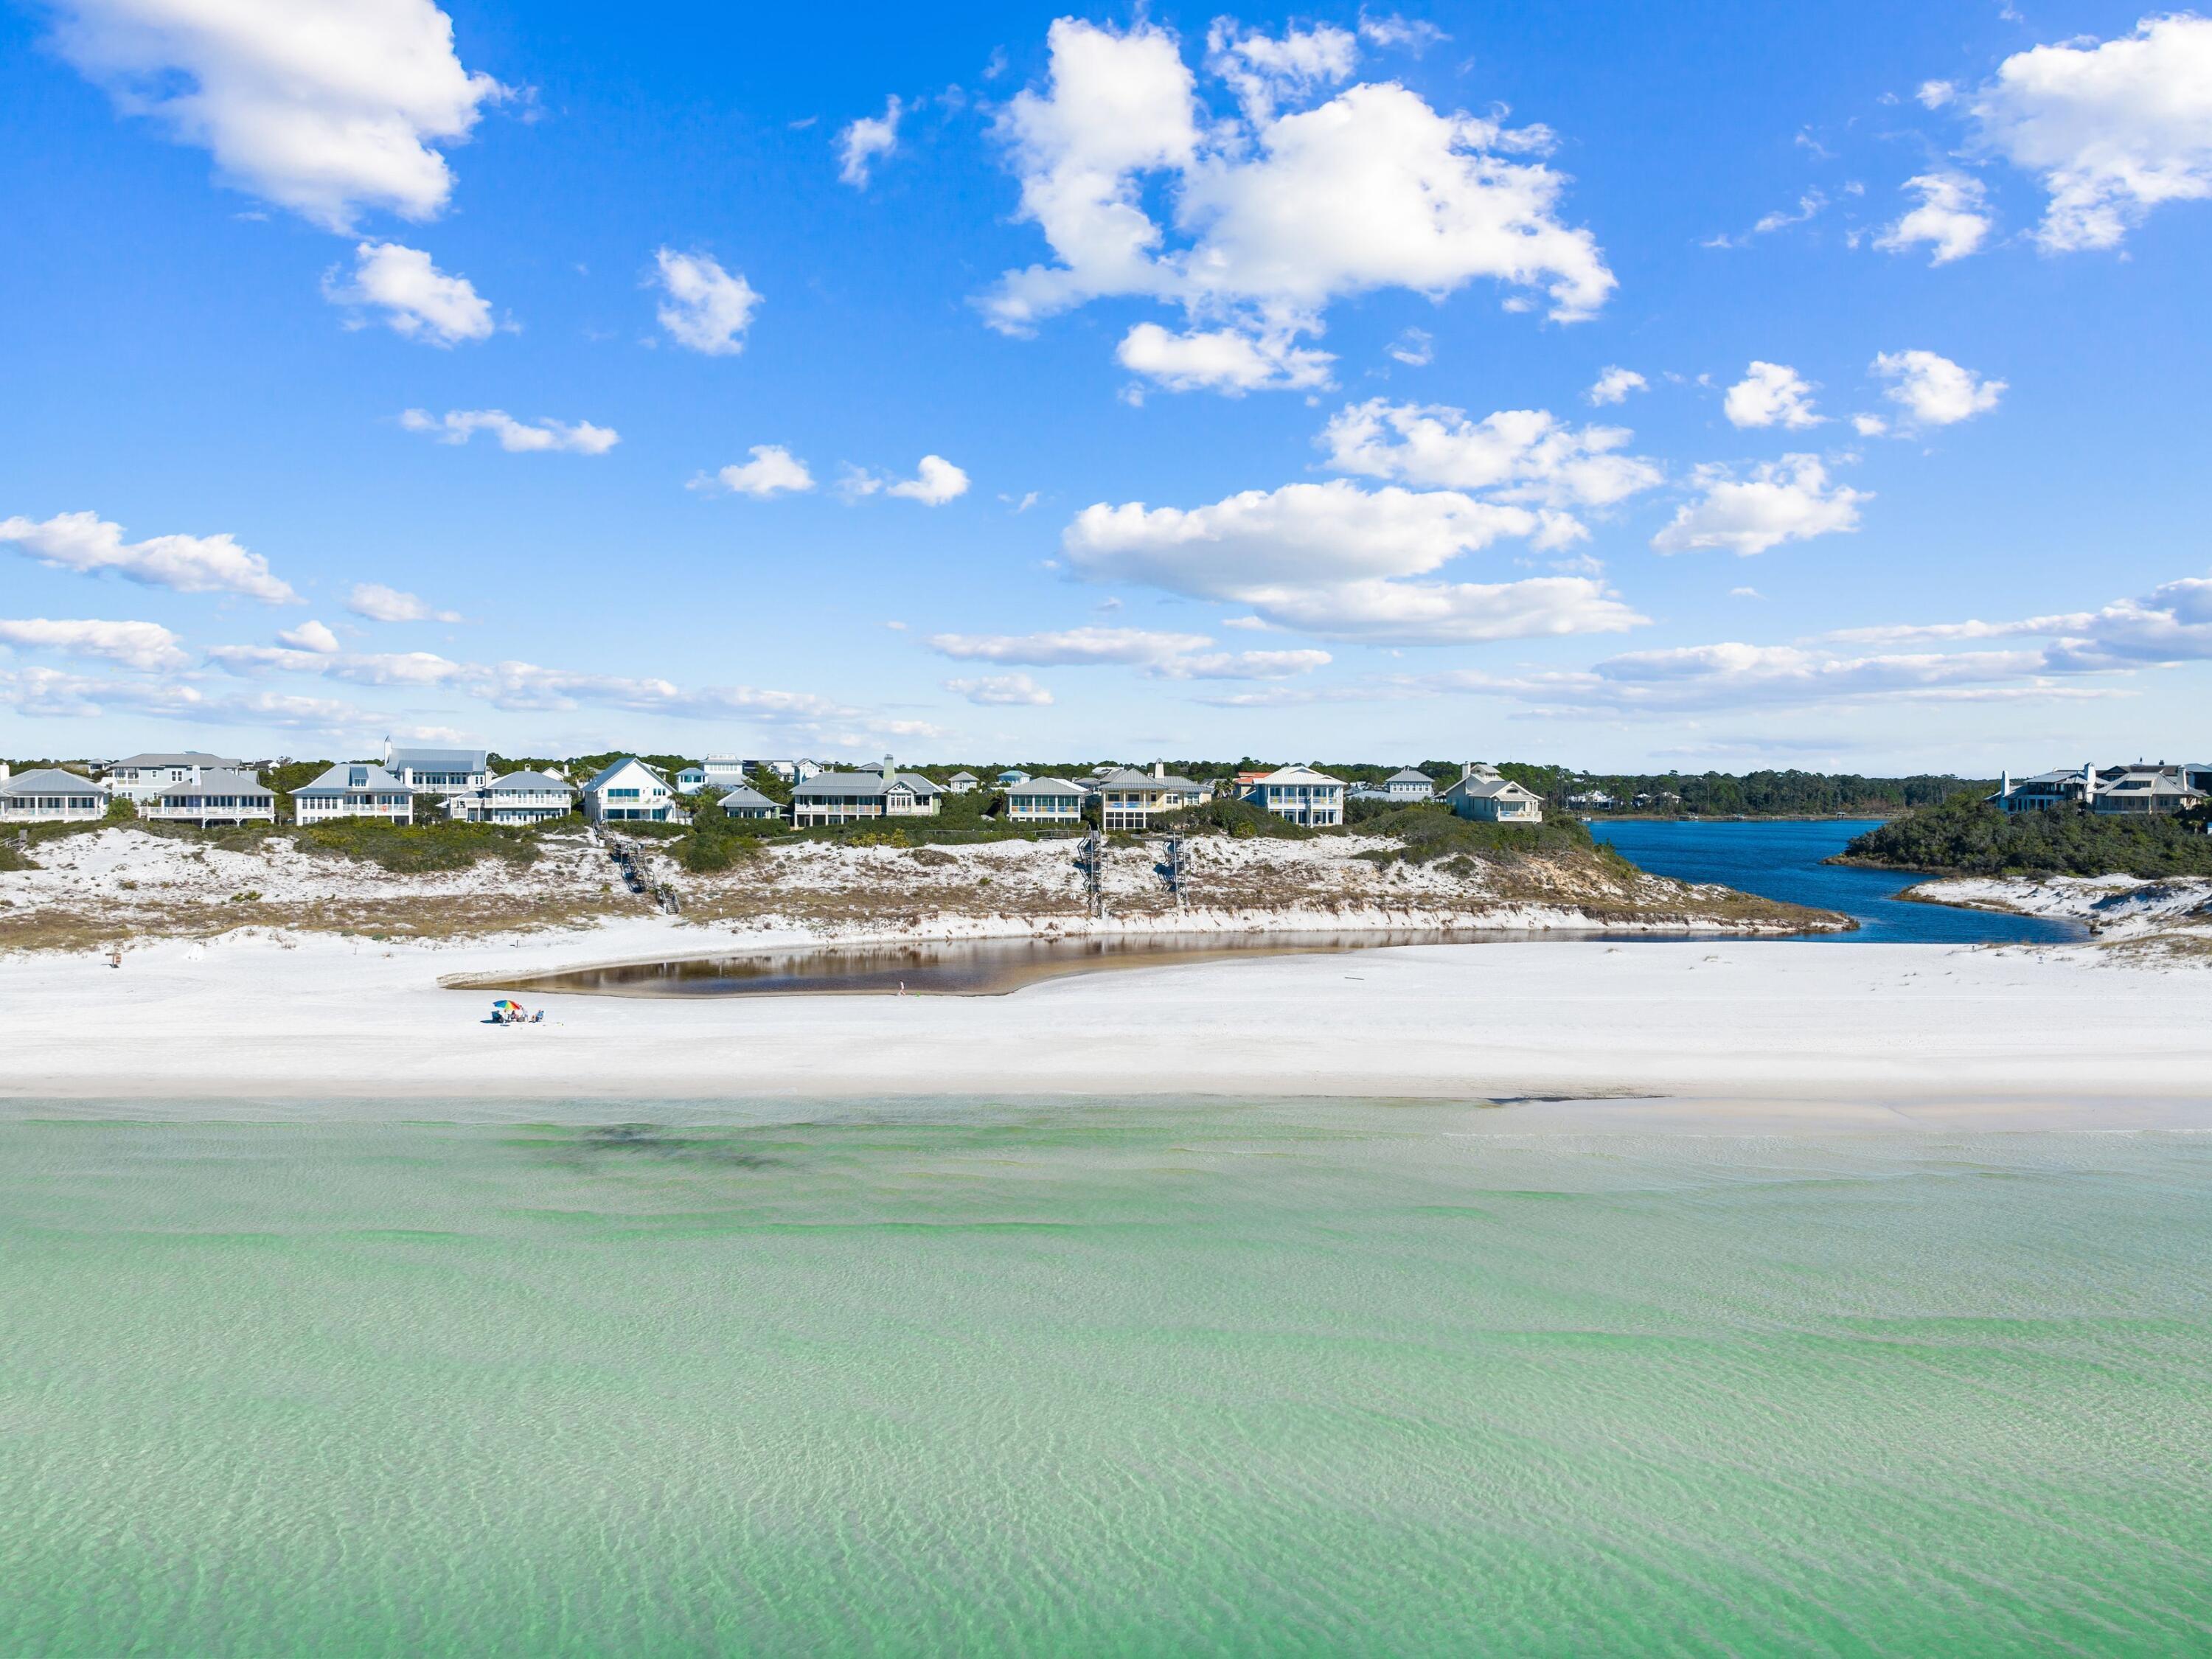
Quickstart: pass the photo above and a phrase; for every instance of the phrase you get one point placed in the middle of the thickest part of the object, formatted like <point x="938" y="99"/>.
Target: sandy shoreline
<point x="1758" y="1032"/>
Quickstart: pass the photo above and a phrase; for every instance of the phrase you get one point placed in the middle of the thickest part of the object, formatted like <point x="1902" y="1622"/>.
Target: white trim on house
<point x="1481" y="794"/>
<point x="880" y="791"/>
<point x="354" y="789"/>
<point x="438" y="771"/>
<point x="628" y="791"/>
<point x="1129" y="799"/>
<point x="1046" y="800"/>
<point x="47" y="794"/>
<point x="143" y="777"/>
<point x="217" y="795"/>
<point x="518" y="797"/>
<point x="1299" y="794"/>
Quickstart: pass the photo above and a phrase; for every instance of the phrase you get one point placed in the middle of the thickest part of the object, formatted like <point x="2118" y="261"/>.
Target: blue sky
<point x="1172" y="382"/>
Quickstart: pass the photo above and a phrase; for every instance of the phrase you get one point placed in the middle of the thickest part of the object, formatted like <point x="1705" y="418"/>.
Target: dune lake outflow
<point x="987" y="967"/>
<point x="992" y="1377"/>
<point x="1784" y="858"/>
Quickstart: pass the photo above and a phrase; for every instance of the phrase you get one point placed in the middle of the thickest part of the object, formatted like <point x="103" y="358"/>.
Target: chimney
<point x="1466" y="770"/>
<point x="1159" y="769"/>
<point x="888" y="771"/>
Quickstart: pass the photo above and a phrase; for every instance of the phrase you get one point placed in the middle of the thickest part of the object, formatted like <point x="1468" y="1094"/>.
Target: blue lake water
<point x="1782" y="858"/>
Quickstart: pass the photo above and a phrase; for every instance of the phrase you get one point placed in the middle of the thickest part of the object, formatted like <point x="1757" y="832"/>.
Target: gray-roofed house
<point x="746" y="802"/>
<point x="881" y="791"/>
<point x="438" y="771"/>
<point x="1046" y="800"/>
<point x="1129" y="798"/>
<point x="1480" y="793"/>
<point x="628" y="791"/>
<point x="1409" y="785"/>
<point x="46" y="794"/>
<point x="519" y="797"/>
<point x="354" y="789"/>
<point x="963" y="783"/>
<point x="1299" y="794"/>
<point x="215" y="794"/>
<point x="142" y="777"/>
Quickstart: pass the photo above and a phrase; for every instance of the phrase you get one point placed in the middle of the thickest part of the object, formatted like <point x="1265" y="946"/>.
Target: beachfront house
<point x="2146" y="788"/>
<point x="143" y="777"/>
<point x="1129" y="799"/>
<point x="523" y="797"/>
<point x="215" y="794"/>
<point x="963" y="783"/>
<point x="46" y="794"/>
<point x="628" y="791"/>
<point x="1409" y="785"/>
<point x="722" y="772"/>
<point x="438" y="771"/>
<point x="746" y="802"/>
<point x="354" y="789"/>
<point x="1011" y="776"/>
<point x="879" y="790"/>
<point x="691" y="779"/>
<point x="1481" y="793"/>
<point x="1046" y="800"/>
<point x="1298" y="793"/>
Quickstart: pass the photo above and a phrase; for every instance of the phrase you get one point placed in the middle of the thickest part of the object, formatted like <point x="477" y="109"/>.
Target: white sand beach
<point x="1723" y="1031"/>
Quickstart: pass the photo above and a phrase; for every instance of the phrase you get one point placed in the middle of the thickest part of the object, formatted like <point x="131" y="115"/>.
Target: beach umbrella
<point x="505" y="1004"/>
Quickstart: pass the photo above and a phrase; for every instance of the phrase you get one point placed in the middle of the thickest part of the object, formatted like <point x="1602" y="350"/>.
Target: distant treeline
<point x="1785" y="794"/>
<point x="1968" y="836"/>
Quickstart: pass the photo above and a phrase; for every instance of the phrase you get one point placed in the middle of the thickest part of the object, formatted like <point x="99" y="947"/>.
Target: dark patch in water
<point x="608" y="1140"/>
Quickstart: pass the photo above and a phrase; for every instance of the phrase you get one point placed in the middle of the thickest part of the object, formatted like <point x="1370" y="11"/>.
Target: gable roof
<point x="1407" y="774"/>
<point x="1048" y="786"/>
<point x="746" y="795"/>
<point x="50" y="781"/>
<point x="1297" y="774"/>
<point x="971" y="776"/>
<point x="438" y="760"/>
<point x="613" y="766"/>
<point x="1489" y="789"/>
<point x="531" y="782"/>
<point x="348" y="777"/>
<point x="1128" y="777"/>
<point x="219" y="781"/>
<point x="859" y="786"/>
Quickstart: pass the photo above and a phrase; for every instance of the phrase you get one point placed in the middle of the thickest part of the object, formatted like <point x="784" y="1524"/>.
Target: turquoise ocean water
<point x="996" y="1378"/>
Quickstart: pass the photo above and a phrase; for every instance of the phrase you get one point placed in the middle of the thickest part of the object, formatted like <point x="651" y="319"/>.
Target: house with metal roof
<point x="142" y="777"/>
<point x="1299" y="794"/>
<point x="214" y="795"/>
<point x="519" y="797"/>
<point x="438" y="771"/>
<point x="963" y="783"/>
<point x="2145" y="789"/>
<point x="1481" y="793"/>
<point x="1011" y="776"/>
<point x="879" y="790"/>
<point x="746" y="802"/>
<point x="628" y="791"/>
<point x="1130" y="800"/>
<point x="354" y="789"/>
<point x="47" y="794"/>
<point x="1046" y="800"/>
<point x="691" y="779"/>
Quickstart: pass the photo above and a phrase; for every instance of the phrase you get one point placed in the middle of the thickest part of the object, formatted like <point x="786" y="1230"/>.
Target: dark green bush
<point x="1425" y="834"/>
<point x="1966" y="835"/>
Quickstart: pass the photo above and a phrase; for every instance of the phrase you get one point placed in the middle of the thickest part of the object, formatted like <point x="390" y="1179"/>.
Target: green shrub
<point x="1424" y="836"/>
<point x="1967" y="836"/>
<point x="1239" y="819"/>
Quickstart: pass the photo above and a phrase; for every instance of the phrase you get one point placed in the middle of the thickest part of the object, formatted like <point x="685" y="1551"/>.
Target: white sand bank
<point x="2114" y="908"/>
<point x="1865" y="1033"/>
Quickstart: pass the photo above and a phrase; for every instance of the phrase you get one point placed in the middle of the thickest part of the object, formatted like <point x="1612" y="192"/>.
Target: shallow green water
<point x="1310" y="1379"/>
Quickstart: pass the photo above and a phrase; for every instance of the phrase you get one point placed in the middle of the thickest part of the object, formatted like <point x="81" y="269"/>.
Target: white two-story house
<point x="142" y="777"/>
<point x="1045" y="800"/>
<point x="630" y="792"/>
<point x="354" y="789"/>
<point x="1300" y="794"/>
<point x="522" y="797"/>
<point x="875" y="792"/>
<point x="1481" y="793"/>
<point x="438" y="771"/>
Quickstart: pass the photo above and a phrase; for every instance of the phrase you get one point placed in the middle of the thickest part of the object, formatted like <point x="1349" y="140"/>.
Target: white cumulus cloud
<point x="1221" y="360"/>
<point x="1951" y="218"/>
<point x="863" y="141"/>
<point x="1069" y="646"/>
<point x="1002" y="691"/>
<point x="145" y="646"/>
<point x="2112" y="130"/>
<point x="773" y="470"/>
<point x="1272" y="215"/>
<point x="457" y="426"/>
<point x="190" y="564"/>
<point x="1770" y="394"/>
<point x="389" y="604"/>
<point x="417" y="299"/>
<point x="1614" y="383"/>
<point x="1791" y="500"/>
<point x="326" y="109"/>
<point x="704" y="308"/>
<point x="935" y="482"/>
<point x="1934" y="390"/>
<point x="310" y="635"/>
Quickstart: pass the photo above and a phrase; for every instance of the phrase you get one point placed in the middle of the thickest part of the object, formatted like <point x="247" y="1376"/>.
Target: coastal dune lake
<point x="990" y="1377"/>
